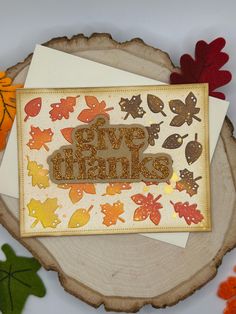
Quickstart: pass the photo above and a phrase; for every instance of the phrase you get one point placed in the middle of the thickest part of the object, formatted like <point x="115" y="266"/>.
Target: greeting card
<point x="113" y="160"/>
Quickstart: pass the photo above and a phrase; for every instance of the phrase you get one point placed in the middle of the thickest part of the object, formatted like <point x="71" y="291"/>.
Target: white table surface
<point x="173" y="26"/>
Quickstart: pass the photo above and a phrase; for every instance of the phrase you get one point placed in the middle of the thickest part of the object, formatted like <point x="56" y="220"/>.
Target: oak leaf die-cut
<point x="185" y="112"/>
<point x="95" y="108"/>
<point x="132" y="107"/>
<point x="18" y="280"/>
<point x="189" y="211"/>
<point x="63" y="108"/>
<point x="187" y="182"/>
<point x="39" y="138"/>
<point x="38" y="173"/>
<point x="112" y="213"/>
<point x="44" y="212"/>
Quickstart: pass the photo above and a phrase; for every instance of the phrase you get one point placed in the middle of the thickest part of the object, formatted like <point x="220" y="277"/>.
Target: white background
<point x="173" y="26"/>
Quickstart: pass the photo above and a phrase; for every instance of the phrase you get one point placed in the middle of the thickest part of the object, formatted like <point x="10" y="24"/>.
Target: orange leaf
<point x="7" y="106"/>
<point x="112" y="213"/>
<point x="227" y="289"/>
<point x="116" y="188"/>
<point x="39" y="138"/>
<point x="77" y="190"/>
<point x="67" y="133"/>
<point x="96" y="108"/>
<point x="63" y="108"/>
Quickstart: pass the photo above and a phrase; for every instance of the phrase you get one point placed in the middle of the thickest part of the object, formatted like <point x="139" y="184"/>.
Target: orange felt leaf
<point x="116" y="188"/>
<point x="63" y="108"/>
<point x="230" y="307"/>
<point x="112" y="213"/>
<point x="77" y="190"/>
<point x="95" y="108"/>
<point x="39" y="138"/>
<point x="7" y="106"/>
<point x="227" y="289"/>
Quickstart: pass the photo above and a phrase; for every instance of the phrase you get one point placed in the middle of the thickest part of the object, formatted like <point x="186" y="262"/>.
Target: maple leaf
<point x="7" y="106"/>
<point x="205" y="68"/>
<point x="187" y="182"/>
<point x="44" y="212"/>
<point x="38" y="173"/>
<point x="185" y="112"/>
<point x="77" y="190"/>
<point x="18" y="280"/>
<point x="149" y="207"/>
<point x="112" y="213"/>
<point x="132" y="107"/>
<point x="116" y="188"/>
<point x="63" y="108"/>
<point x="39" y="138"/>
<point x="95" y="108"/>
<point x="190" y="212"/>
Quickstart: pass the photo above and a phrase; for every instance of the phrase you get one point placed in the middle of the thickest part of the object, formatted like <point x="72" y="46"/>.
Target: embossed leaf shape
<point x="187" y="182"/>
<point x="39" y="138"/>
<point x="188" y="211"/>
<point x="112" y="213"/>
<point x="132" y="107"/>
<point x="63" y="108"/>
<point x="185" y="112"/>
<point x="38" y="173"/>
<point x="18" y="280"/>
<point x="95" y="108"/>
<point x="44" y="212"/>
<point x="77" y="190"/>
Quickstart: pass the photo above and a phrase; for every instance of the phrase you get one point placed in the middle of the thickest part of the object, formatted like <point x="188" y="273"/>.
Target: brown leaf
<point x="155" y="104"/>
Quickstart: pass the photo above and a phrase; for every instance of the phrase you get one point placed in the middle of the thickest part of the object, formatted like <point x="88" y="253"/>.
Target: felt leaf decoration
<point x="67" y="134"/>
<point x="38" y="173"/>
<point x="63" y="108"/>
<point x="117" y="188"/>
<point x="95" y="108"/>
<point x="39" y="138"/>
<point x="174" y="141"/>
<point x="80" y="218"/>
<point x="193" y="151"/>
<point x="153" y="132"/>
<point x="44" y="212"/>
<point x="227" y="291"/>
<point x="132" y="107"/>
<point x="155" y="104"/>
<point x="189" y="211"/>
<point x="7" y="106"/>
<point x="185" y="112"/>
<point x="33" y="107"/>
<point x="187" y="182"/>
<point x="77" y="190"/>
<point x="18" y="280"/>
<point x="205" y="68"/>
<point x="148" y="207"/>
<point x="112" y="213"/>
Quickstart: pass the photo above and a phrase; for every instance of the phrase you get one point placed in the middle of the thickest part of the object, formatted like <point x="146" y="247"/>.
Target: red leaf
<point x="149" y="206"/>
<point x="190" y="212"/>
<point x="96" y="108"/>
<point x="205" y="68"/>
<point x="63" y="108"/>
<point x="33" y="107"/>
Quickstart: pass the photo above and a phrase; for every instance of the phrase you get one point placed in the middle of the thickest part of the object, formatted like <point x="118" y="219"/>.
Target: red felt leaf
<point x="205" y="68"/>
<point x="149" y="206"/>
<point x="190" y="212"/>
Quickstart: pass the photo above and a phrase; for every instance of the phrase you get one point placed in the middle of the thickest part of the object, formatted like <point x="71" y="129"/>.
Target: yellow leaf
<point x="38" y="173"/>
<point x="80" y="217"/>
<point x="44" y="212"/>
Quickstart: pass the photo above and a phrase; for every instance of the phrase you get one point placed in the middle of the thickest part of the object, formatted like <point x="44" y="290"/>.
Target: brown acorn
<point x="173" y="141"/>
<point x="193" y="151"/>
<point x="155" y="104"/>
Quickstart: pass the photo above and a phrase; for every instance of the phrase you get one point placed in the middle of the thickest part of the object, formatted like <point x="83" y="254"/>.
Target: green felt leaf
<point x="18" y="280"/>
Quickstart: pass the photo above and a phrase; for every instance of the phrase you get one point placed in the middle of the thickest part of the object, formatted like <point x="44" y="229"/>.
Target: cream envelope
<point x="52" y="68"/>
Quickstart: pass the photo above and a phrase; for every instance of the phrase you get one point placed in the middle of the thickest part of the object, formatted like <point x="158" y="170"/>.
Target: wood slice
<point x="125" y="272"/>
